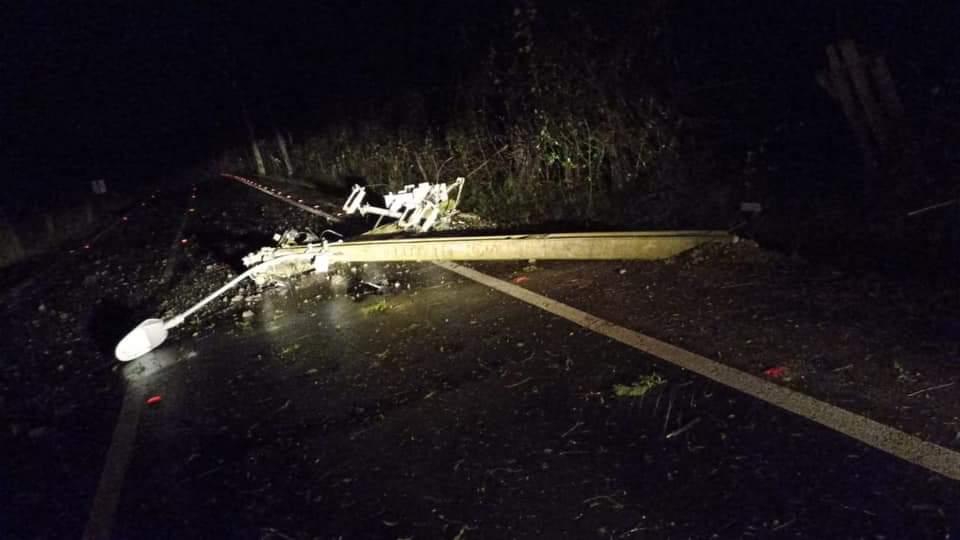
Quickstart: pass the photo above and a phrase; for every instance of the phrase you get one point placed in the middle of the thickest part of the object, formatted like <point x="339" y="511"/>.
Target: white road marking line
<point x="110" y="486"/>
<point x="114" y="472"/>
<point x="287" y="200"/>
<point x="880" y="436"/>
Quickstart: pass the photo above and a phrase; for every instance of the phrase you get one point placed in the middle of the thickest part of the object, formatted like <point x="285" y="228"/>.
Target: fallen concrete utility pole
<point x="318" y="257"/>
<point x="566" y="246"/>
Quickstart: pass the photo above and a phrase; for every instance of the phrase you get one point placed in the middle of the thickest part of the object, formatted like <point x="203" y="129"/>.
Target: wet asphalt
<point x="448" y="410"/>
<point x="438" y="408"/>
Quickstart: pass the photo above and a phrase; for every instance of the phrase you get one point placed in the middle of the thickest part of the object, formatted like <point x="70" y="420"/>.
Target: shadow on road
<point x="113" y="318"/>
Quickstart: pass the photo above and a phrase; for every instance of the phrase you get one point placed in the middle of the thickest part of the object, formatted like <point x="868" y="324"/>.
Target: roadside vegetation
<point x="548" y="126"/>
<point x="613" y="117"/>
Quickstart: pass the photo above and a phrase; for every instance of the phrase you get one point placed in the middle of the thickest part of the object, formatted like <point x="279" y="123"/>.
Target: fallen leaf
<point x="777" y="372"/>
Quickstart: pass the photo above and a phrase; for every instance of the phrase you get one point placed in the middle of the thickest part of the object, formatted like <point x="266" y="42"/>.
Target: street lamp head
<point x="146" y="337"/>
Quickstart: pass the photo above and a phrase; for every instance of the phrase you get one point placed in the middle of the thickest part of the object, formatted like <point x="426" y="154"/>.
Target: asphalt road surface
<point x="436" y="407"/>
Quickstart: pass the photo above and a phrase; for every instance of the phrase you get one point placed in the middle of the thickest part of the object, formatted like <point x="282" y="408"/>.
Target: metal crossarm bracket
<point x="417" y="207"/>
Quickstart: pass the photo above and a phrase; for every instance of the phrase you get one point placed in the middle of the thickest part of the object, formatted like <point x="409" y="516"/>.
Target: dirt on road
<point x="451" y="412"/>
<point x="883" y="347"/>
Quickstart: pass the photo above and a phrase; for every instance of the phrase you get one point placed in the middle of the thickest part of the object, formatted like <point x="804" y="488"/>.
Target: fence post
<point x="282" y="144"/>
<point x="257" y="157"/>
<point x="886" y="88"/>
<point x="51" y="229"/>
<point x="838" y="85"/>
<point x="12" y="248"/>
<point x="858" y="73"/>
<point x="88" y="211"/>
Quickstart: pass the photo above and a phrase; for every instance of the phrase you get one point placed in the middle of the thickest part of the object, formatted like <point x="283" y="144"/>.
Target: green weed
<point x="639" y="388"/>
<point x="377" y="307"/>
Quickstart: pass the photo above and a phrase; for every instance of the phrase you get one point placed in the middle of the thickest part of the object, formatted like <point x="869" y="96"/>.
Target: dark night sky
<point x="107" y="88"/>
<point x="124" y="83"/>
